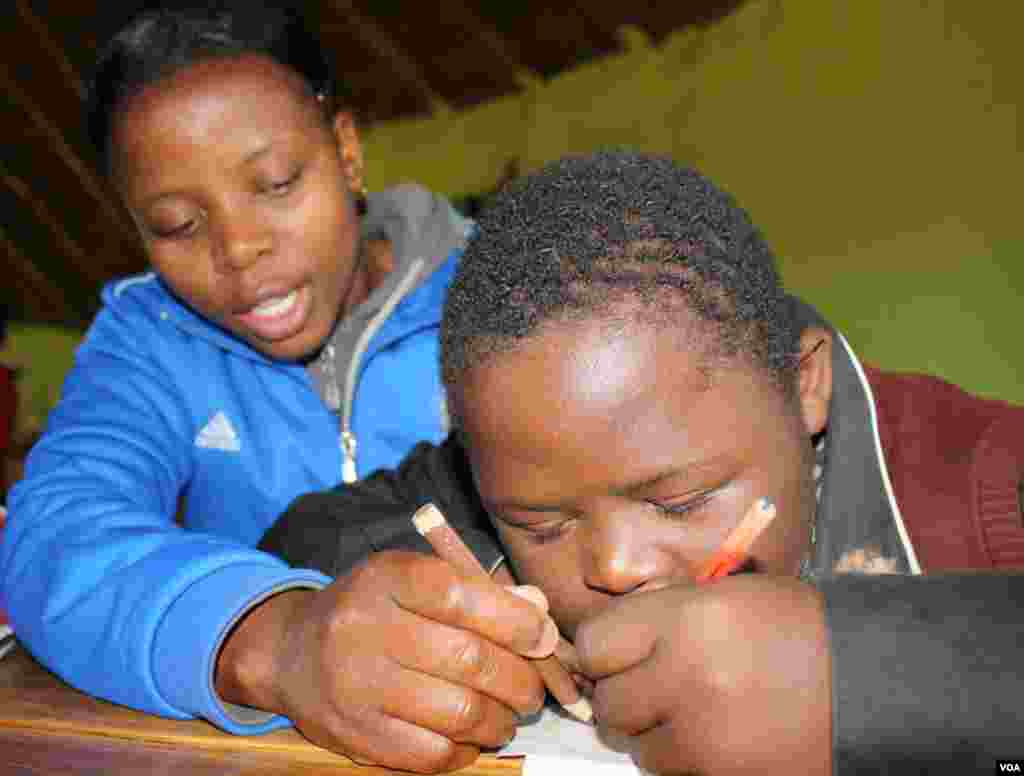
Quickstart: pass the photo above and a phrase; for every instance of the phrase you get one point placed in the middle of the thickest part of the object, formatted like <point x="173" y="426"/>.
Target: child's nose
<point x="621" y="555"/>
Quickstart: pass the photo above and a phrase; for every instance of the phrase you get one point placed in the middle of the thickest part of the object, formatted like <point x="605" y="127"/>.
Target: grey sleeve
<point x="927" y="673"/>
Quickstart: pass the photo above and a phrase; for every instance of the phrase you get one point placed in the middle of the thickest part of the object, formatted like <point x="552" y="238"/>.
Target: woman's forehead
<point x="208" y="102"/>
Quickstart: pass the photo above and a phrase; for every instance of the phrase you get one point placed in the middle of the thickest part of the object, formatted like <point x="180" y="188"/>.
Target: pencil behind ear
<point x="814" y="377"/>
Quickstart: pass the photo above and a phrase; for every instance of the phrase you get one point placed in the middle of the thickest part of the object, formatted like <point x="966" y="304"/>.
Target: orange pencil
<point x="735" y="550"/>
<point x="448" y="546"/>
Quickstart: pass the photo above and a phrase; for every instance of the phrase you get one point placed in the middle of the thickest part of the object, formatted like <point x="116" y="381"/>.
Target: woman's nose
<point x="243" y="241"/>
<point x="621" y="553"/>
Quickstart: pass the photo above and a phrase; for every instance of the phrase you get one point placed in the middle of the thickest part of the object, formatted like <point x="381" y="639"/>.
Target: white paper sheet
<point x="556" y="745"/>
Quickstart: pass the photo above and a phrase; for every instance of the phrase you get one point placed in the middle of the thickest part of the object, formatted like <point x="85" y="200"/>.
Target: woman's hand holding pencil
<point x="448" y="546"/>
<point x="403" y="662"/>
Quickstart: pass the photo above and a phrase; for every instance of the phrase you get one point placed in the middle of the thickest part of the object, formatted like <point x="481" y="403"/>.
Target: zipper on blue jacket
<point x="348" y="439"/>
<point x="348" y="457"/>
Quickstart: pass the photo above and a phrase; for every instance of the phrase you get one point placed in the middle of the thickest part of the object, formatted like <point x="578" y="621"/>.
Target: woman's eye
<point x="284" y="185"/>
<point x="184" y="229"/>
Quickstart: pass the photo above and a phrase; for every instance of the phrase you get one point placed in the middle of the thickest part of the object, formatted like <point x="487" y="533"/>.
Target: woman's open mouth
<point x="278" y="317"/>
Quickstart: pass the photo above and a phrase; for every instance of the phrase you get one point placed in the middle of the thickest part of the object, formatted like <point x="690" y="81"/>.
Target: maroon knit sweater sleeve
<point x="956" y="462"/>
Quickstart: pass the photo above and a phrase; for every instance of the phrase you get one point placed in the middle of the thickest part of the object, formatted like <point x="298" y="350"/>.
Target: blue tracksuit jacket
<point x="99" y="582"/>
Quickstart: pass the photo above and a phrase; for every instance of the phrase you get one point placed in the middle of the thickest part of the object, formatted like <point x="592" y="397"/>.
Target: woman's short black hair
<point x="588" y="231"/>
<point x="162" y="36"/>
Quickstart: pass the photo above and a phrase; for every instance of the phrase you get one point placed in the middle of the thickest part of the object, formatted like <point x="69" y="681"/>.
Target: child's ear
<point x="814" y="378"/>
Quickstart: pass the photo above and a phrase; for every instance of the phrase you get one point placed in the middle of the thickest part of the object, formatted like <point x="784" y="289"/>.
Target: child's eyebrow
<point x="696" y="470"/>
<point x="657" y="479"/>
<point x="627" y="489"/>
<point x="501" y="506"/>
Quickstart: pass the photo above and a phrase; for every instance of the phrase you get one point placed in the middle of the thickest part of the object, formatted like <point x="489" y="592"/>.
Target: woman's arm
<point x="98" y="581"/>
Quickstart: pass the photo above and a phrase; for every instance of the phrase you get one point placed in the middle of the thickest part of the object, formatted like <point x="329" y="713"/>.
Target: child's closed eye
<point x="683" y="507"/>
<point x="543" y="533"/>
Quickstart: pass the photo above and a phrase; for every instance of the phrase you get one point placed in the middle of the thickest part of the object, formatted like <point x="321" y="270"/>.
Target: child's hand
<point x="730" y="677"/>
<point x="402" y="663"/>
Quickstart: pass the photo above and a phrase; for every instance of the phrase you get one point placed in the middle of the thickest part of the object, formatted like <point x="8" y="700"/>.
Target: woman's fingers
<point x="433" y="589"/>
<point x="467" y="661"/>
<point x="406" y="663"/>
<point x="370" y="737"/>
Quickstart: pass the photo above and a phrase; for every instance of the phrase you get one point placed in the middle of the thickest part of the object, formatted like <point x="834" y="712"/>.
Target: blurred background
<point x="876" y="143"/>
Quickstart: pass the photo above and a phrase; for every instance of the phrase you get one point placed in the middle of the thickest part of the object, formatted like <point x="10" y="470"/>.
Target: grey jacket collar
<point x="858" y="527"/>
<point x="423" y="230"/>
<point x="421" y="226"/>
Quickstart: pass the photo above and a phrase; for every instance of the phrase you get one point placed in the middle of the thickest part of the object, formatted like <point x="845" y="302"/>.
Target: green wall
<point x="875" y="142"/>
<point x="42" y="354"/>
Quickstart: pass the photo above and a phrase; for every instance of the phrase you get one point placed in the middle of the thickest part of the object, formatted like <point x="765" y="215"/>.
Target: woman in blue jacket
<point x="285" y="341"/>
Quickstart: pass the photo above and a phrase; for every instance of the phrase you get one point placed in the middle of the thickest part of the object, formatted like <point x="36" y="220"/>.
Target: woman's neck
<point x="376" y="261"/>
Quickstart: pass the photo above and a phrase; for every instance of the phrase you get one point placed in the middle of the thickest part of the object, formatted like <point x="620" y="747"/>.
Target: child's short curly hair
<point x="586" y="232"/>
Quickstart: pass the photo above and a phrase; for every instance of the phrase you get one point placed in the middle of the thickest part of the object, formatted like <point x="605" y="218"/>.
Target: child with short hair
<point x="627" y="377"/>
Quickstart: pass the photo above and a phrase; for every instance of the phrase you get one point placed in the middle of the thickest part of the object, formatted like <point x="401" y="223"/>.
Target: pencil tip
<point x="581" y="710"/>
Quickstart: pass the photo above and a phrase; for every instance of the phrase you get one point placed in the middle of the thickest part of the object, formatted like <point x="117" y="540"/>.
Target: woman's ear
<point x="814" y="378"/>
<point x="351" y="151"/>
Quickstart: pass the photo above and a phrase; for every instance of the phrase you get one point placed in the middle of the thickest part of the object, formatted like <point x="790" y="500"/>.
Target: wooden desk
<point x="47" y="728"/>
